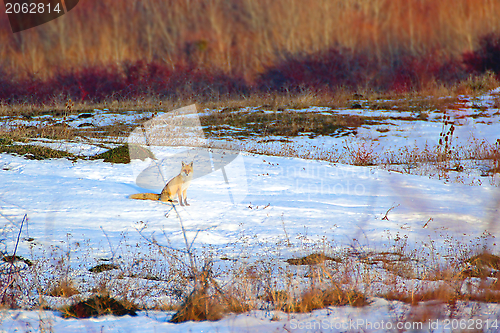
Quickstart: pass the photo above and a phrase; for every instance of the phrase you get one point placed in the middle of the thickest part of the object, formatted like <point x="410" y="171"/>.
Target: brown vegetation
<point x="337" y="278"/>
<point x="244" y="35"/>
<point x="99" y="306"/>
<point x="207" y="50"/>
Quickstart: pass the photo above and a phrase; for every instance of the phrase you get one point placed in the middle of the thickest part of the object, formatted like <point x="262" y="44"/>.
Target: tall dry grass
<point x="243" y="36"/>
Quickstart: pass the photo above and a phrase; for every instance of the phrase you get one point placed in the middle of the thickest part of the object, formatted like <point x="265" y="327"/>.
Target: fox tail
<point x="145" y="196"/>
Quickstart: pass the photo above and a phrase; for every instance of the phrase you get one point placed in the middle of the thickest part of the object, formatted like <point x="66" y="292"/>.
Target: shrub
<point x="128" y="81"/>
<point x="329" y="69"/>
<point x="486" y="57"/>
<point x="409" y="72"/>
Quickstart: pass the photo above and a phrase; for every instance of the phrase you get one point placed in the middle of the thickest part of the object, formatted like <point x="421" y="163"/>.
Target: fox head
<point x="186" y="169"/>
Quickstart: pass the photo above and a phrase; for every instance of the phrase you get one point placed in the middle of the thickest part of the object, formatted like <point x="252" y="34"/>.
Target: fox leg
<point x="179" y="195"/>
<point x="185" y="197"/>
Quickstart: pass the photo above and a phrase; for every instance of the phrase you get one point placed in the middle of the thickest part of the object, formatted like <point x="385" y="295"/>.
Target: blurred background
<point x="214" y="49"/>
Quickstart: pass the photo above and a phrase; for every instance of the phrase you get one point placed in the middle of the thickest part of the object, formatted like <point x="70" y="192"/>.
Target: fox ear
<point x="191" y="164"/>
<point x="183" y="164"/>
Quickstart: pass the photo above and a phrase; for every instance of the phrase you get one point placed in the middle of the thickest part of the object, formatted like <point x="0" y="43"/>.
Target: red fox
<point x="177" y="186"/>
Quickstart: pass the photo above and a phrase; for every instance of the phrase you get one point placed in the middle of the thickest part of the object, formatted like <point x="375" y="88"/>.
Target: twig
<point x="19" y="234"/>
<point x="188" y="249"/>
<point x="109" y="242"/>
<point x="284" y="229"/>
<point x="152" y="241"/>
<point x="387" y="218"/>
<point x="11" y="268"/>
<point x="196" y="235"/>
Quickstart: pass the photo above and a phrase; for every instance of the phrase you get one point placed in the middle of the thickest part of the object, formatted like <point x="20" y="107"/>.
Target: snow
<point x="381" y="316"/>
<point x="76" y="148"/>
<point x="315" y="198"/>
<point x="63" y="197"/>
<point x="95" y="118"/>
<point x="268" y="199"/>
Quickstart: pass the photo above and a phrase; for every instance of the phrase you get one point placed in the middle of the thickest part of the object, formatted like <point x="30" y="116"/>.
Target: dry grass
<point x="63" y="288"/>
<point x="319" y="299"/>
<point x="482" y="265"/>
<point x="321" y="279"/>
<point x="362" y="154"/>
<point x="282" y="123"/>
<point x="442" y="294"/>
<point x="331" y="278"/>
<point x="33" y="152"/>
<point x="257" y="119"/>
<point x="245" y="35"/>
<point x="312" y="259"/>
<point x="99" y="306"/>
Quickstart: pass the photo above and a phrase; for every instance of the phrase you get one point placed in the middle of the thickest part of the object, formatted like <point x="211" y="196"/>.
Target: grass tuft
<point x="63" y="288"/>
<point x="312" y="259"/>
<point x="482" y="265"/>
<point x="319" y="299"/>
<point x="199" y="306"/>
<point x="97" y="306"/>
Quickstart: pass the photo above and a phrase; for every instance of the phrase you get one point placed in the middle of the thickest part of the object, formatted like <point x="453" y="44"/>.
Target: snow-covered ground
<point x="248" y="209"/>
<point x="380" y="317"/>
<point x="88" y="200"/>
<point x="312" y="198"/>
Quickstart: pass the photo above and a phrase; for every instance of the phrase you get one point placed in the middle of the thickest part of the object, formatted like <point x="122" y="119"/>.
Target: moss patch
<point x="122" y="154"/>
<point x="103" y="267"/>
<point x="286" y="123"/>
<point x="12" y="259"/>
<point x="32" y="152"/>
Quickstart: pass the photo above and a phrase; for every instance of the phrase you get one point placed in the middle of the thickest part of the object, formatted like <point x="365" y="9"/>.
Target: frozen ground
<point x="265" y="202"/>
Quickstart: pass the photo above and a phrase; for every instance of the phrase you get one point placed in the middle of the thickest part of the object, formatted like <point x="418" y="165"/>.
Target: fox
<point x="177" y="186"/>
